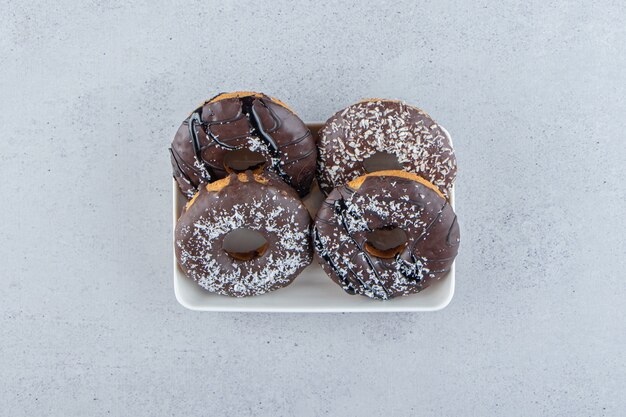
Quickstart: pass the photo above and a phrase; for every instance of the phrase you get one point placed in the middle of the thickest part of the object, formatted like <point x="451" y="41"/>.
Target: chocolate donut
<point x="261" y="203"/>
<point x="386" y="234"/>
<point x="260" y="130"/>
<point x="376" y="126"/>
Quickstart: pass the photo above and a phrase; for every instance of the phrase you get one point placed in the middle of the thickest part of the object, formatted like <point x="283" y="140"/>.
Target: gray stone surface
<point x="534" y="95"/>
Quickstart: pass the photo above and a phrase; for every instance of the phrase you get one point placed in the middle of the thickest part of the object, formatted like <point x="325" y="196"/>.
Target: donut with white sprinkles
<point x="386" y="234"/>
<point x="259" y="204"/>
<point x="377" y="126"/>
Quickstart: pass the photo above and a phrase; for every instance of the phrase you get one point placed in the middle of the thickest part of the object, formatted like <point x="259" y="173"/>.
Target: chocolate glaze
<point x="255" y="122"/>
<point x="262" y="203"/>
<point x="347" y="218"/>
<point x="358" y="132"/>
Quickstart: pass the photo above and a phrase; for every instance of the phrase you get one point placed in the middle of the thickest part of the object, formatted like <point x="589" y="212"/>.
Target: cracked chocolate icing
<point x="242" y="120"/>
<point x="373" y="126"/>
<point x="259" y="202"/>
<point x="386" y="200"/>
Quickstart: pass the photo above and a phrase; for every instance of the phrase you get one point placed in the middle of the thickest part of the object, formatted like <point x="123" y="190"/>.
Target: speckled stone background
<point x="534" y="95"/>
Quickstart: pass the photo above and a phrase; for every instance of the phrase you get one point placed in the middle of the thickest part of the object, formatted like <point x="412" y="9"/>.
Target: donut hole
<point x="381" y="161"/>
<point x="244" y="244"/>
<point x="242" y="160"/>
<point x="386" y="242"/>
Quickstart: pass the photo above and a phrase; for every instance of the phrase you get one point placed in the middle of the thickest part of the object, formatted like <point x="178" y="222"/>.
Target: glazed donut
<point x="386" y="234"/>
<point x="261" y="203"/>
<point x="375" y="126"/>
<point x="259" y="129"/>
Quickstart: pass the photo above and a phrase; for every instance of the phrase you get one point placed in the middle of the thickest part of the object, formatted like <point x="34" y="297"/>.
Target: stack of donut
<point x="245" y="160"/>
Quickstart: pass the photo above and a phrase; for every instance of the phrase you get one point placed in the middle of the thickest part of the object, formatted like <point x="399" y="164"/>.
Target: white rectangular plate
<point x="311" y="292"/>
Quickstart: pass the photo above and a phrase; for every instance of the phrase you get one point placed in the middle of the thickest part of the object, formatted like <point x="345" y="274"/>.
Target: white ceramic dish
<point x="311" y="292"/>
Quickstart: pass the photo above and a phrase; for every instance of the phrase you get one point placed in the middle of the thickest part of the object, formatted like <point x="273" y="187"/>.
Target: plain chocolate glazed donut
<point x="279" y="141"/>
<point x="386" y="234"/>
<point x="258" y="202"/>
<point x="374" y="126"/>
